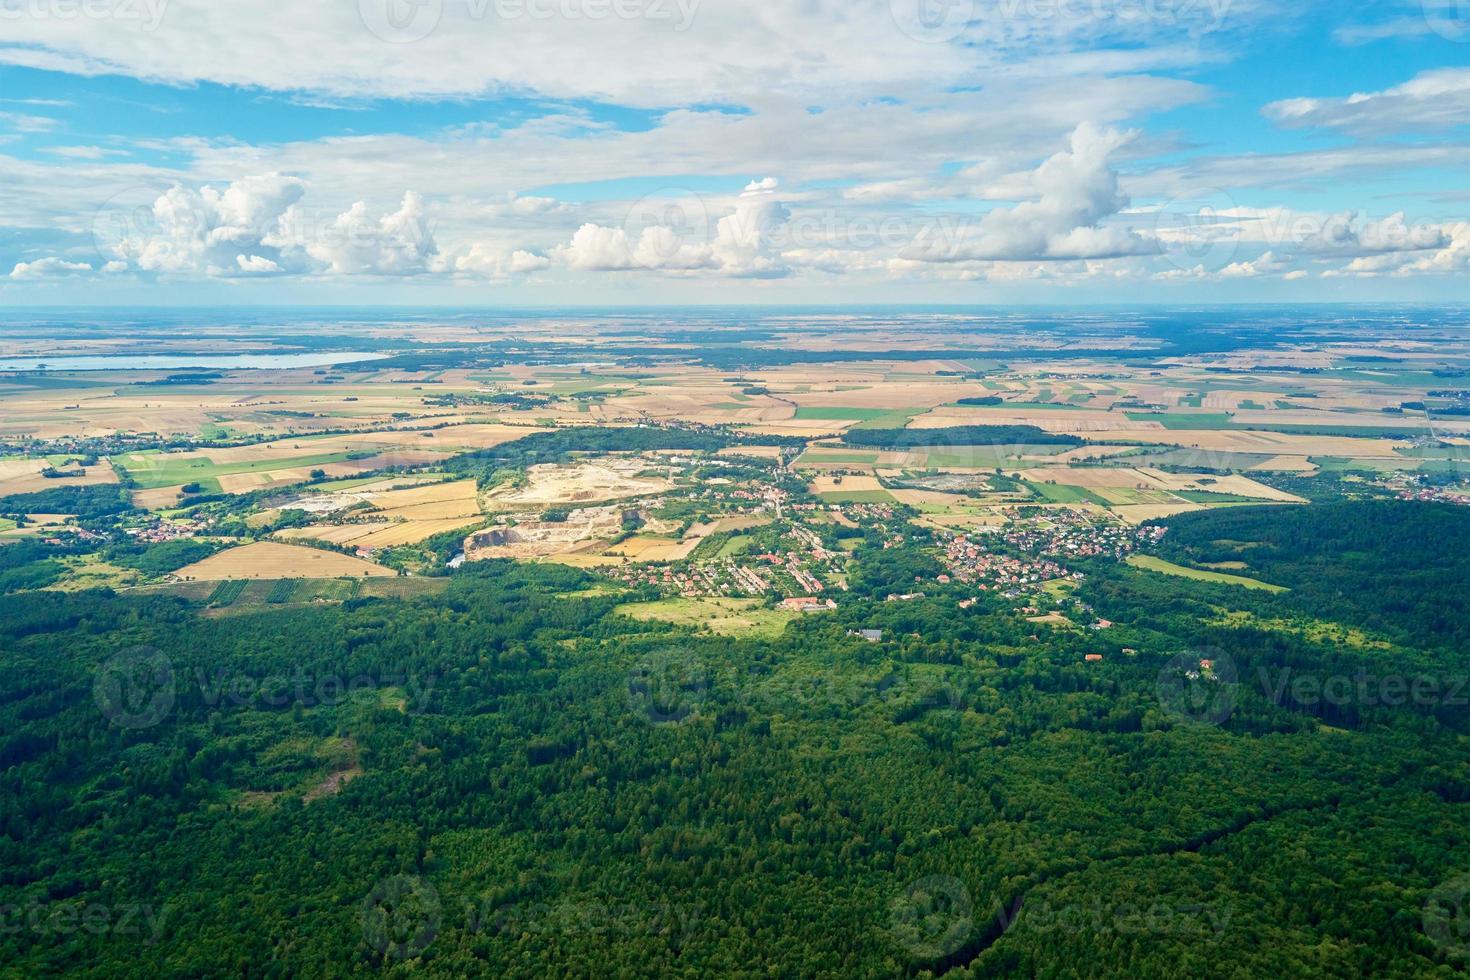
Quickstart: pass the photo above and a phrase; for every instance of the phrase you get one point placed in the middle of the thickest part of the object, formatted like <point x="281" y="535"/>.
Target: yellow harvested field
<point x="411" y="532"/>
<point x="653" y="549"/>
<point x="1138" y="513"/>
<point x="24" y="476"/>
<point x="440" y="501"/>
<point x="845" y="484"/>
<point x="333" y="533"/>
<point x="160" y="498"/>
<point x="1287" y="464"/>
<point x="1241" y="486"/>
<point x="270" y="560"/>
<point x="756" y="452"/>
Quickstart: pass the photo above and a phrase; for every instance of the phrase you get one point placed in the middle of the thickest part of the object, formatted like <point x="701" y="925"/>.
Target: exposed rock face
<point x="529" y="539"/>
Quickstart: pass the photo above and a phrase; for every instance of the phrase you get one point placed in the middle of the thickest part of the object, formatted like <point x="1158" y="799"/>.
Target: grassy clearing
<point x="738" y="545"/>
<point x="728" y="617"/>
<point x="1153" y="564"/>
<point x="1316" y="630"/>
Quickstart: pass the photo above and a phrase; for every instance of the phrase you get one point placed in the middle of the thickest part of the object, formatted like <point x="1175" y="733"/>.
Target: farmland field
<point x="268" y="560"/>
<point x="566" y="553"/>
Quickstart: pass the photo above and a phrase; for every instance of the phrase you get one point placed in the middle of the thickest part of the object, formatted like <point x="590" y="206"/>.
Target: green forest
<point x="508" y="778"/>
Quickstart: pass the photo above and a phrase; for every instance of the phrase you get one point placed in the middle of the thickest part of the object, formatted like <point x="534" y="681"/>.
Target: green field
<point x="1185" y="420"/>
<point x="150" y="470"/>
<point x="1152" y="564"/>
<point x="820" y="457"/>
<point x="817" y="413"/>
<point x="857" y="497"/>
<point x="737" y="545"/>
<point x="1061" y="493"/>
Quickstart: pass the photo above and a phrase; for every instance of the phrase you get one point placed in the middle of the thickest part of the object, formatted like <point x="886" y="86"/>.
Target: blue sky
<point x="651" y="151"/>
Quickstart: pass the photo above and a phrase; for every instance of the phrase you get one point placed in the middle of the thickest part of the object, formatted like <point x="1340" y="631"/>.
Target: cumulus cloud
<point x="1076" y="190"/>
<point x="51" y="267"/>
<point x="258" y="226"/>
<point x="1451" y="260"/>
<point x="596" y="248"/>
<point x="355" y="243"/>
<point x="746" y="244"/>
<point x="493" y="262"/>
<point x="1267" y="264"/>
<point x="676" y="236"/>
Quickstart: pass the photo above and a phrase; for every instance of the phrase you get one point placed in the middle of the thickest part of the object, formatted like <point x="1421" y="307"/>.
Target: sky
<point x="178" y="152"/>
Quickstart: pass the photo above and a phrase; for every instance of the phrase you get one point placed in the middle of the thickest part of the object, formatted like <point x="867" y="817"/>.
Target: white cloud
<point x="22" y="122"/>
<point x="633" y="52"/>
<point x="49" y="268"/>
<point x="674" y="235"/>
<point x="1075" y="190"/>
<point x="257" y="226"/>
<point x="354" y="243"/>
<point x="1431" y="101"/>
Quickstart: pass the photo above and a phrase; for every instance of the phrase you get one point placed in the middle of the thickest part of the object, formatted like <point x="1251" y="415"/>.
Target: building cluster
<point x="972" y="561"/>
<point x="161" y="531"/>
<point x="800" y="566"/>
<point x="1071" y="534"/>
